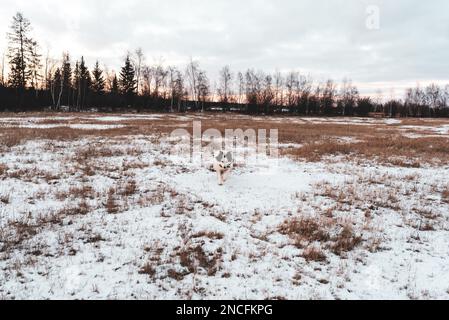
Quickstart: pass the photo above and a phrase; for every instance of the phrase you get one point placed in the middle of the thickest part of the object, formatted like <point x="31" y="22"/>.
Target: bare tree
<point x="433" y="93"/>
<point x="138" y="61"/>
<point x="176" y="88"/>
<point x="378" y="101"/>
<point x="203" y="88"/>
<point x="348" y="96"/>
<point x="192" y="75"/>
<point x="267" y="95"/>
<point x="241" y="85"/>
<point x="328" y="94"/>
<point x="147" y="77"/>
<point x="278" y="88"/>
<point x="160" y="75"/>
<point x="224" y="90"/>
<point x="291" y="83"/>
<point x="304" y="91"/>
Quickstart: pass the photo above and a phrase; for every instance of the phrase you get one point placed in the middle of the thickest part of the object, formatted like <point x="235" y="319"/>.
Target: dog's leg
<point x="226" y="175"/>
<point x="220" y="178"/>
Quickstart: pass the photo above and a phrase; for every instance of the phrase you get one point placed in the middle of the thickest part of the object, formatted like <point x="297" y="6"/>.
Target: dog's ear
<point x="219" y="157"/>
<point x="229" y="156"/>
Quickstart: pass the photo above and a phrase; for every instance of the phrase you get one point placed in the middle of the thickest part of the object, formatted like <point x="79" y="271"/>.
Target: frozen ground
<point x="117" y="217"/>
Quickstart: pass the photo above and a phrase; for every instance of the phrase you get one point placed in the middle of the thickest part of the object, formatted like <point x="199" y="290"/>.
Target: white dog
<point x="223" y="165"/>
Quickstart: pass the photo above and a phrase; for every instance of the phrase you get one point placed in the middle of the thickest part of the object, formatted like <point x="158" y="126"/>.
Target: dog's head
<point x="224" y="160"/>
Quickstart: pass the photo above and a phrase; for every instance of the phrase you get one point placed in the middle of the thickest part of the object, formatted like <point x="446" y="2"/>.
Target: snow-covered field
<point x="96" y="207"/>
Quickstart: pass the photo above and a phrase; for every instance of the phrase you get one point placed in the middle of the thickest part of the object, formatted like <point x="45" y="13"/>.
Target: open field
<point x="94" y="206"/>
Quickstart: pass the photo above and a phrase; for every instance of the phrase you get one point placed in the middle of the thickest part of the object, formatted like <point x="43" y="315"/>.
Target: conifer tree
<point x="114" y="87"/>
<point x="84" y="84"/>
<point x="66" y="80"/>
<point x="76" y="85"/>
<point x="98" y="82"/>
<point x="128" y="78"/>
<point x="21" y="52"/>
<point x="55" y="88"/>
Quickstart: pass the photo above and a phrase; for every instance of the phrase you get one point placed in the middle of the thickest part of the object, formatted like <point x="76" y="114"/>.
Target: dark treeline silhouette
<point x="34" y="83"/>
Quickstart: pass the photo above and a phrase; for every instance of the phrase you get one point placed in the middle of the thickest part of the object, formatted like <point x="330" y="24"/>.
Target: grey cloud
<point x="326" y="38"/>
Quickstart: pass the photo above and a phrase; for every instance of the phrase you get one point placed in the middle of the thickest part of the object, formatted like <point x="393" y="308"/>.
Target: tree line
<point x="37" y="83"/>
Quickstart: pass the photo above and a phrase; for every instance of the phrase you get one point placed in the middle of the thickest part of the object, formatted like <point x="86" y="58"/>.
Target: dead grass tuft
<point x="445" y="195"/>
<point x="112" y="207"/>
<point x="5" y="198"/>
<point x="148" y="269"/>
<point x="3" y="169"/>
<point x="345" y="241"/>
<point x="194" y="258"/>
<point x="314" y="254"/>
<point x="209" y="234"/>
<point x="305" y="232"/>
<point x="128" y="188"/>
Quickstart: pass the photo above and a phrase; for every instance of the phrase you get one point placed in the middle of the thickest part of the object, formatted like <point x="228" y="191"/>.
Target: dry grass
<point x="377" y="141"/>
<point x="112" y="207"/>
<point x="305" y="232"/>
<point x="209" y="235"/>
<point x="10" y="137"/>
<point x="128" y="188"/>
<point x="5" y="198"/>
<point x="15" y="233"/>
<point x="395" y="150"/>
<point x="314" y="254"/>
<point x="445" y="195"/>
<point x="3" y="169"/>
<point x="76" y="192"/>
<point x="148" y="269"/>
<point x="345" y="241"/>
<point x="194" y="258"/>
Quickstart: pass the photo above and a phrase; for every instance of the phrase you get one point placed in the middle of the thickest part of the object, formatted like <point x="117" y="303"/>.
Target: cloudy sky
<point x="323" y="38"/>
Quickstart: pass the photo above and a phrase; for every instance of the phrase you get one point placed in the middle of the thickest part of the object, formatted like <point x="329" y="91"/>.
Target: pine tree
<point x="84" y="84"/>
<point x="128" y="79"/>
<point x="114" y="87"/>
<point x="55" y="87"/>
<point x="21" y="52"/>
<point x="66" y="79"/>
<point x="76" y="84"/>
<point x="98" y="82"/>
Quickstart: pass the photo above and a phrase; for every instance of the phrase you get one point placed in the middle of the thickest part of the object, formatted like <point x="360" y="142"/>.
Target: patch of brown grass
<point x="209" y="235"/>
<point x="112" y="207"/>
<point x="82" y="208"/>
<point x="314" y="254"/>
<point x="128" y="188"/>
<point x="15" y="233"/>
<point x="445" y="195"/>
<point x="10" y="137"/>
<point x="194" y="257"/>
<point x="3" y="169"/>
<point x="148" y="269"/>
<point x="76" y="192"/>
<point x="32" y="174"/>
<point x="345" y="241"/>
<point x="5" y="198"/>
<point x="316" y="150"/>
<point x="305" y="230"/>
<point x="395" y="150"/>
